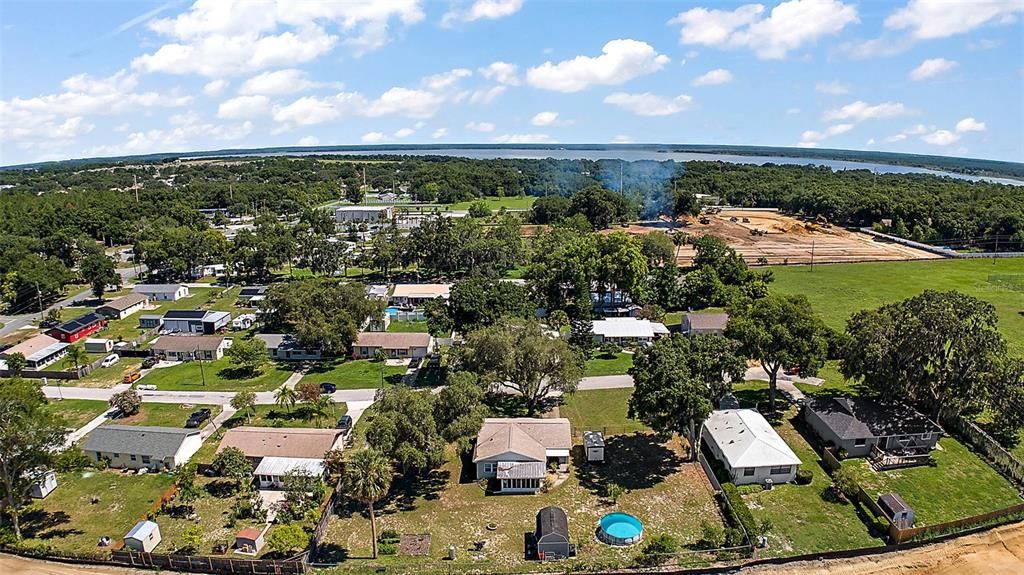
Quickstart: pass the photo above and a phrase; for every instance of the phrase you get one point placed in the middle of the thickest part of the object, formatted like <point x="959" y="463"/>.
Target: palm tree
<point x="77" y="356"/>
<point x="319" y="407"/>
<point x="368" y="478"/>
<point x="286" y="397"/>
<point x="382" y="356"/>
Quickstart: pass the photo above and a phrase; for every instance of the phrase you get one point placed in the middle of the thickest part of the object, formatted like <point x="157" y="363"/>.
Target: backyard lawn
<point x="163" y="415"/>
<point x="67" y="519"/>
<point x="220" y="375"/>
<point x="601" y="364"/>
<point x="668" y="495"/>
<point x="213" y="508"/>
<point x="408" y="326"/>
<point x="599" y="410"/>
<point x="960" y="485"/>
<point x="354" y="374"/>
<point x="77" y="412"/>
<point x="298" y="416"/>
<point x="802" y="521"/>
<point x="495" y="204"/>
<point x="836" y="291"/>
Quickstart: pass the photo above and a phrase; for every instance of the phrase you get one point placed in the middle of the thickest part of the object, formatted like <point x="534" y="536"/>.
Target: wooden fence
<point x="1004" y="462"/>
<point x="204" y="564"/>
<point x="897" y="535"/>
<point x="831" y="462"/>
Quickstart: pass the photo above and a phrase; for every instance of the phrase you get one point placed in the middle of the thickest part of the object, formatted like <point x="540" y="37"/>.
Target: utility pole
<point x="39" y="298"/>
<point x="202" y="372"/>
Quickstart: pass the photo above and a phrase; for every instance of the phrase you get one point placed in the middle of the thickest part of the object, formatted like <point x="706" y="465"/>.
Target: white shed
<point x="44" y="486"/>
<point x="145" y="536"/>
<point x="98" y="345"/>
<point x="593" y="442"/>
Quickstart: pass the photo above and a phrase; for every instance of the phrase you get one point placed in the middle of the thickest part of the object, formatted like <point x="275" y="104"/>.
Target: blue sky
<point x="84" y="78"/>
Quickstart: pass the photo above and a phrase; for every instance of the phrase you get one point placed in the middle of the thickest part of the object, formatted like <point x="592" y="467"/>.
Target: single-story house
<point x="39" y="351"/>
<point x="45" y="485"/>
<point x="396" y="344"/>
<point x="627" y="330"/>
<point x="749" y="448"/>
<point x="249" y="292"/>
<point x="250" y="540"/>
<point x="417" y="294"/>
<point x="125" y="306"/>
<point x="517" y="451"/>
<point x="190" y="347"/>
<point x="858" y="425"/>
<point x="271" y="471"/>
<point x="99" y="345"/>
<point x="243" y="321"/>
<point x="593" y="443"/>
<point x="896" y="510"/>
<point x="162" y="292"/>
<point x="150" y="321"/>
<point x="196" y="321"/>
<point x="367" y="214"/>
<point x="210" y="270"/>
<point x="304" y="443"/>
<point x="144" y="537"/>
<point x="78" y="328"/>
<point x="704" y="323"/>
<point x="138" y="446"/>
<point x="377" y="291"/>
<point x="552" y="534"/>
<point x="283" y="347"/>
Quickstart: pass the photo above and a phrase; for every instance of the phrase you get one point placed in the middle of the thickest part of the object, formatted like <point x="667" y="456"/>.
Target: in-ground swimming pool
<point x="391" y="310"/>
<point x="620" y="529"/>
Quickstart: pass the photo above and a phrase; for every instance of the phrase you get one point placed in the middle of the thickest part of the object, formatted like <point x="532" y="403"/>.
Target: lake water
<point x="632" y="155"/>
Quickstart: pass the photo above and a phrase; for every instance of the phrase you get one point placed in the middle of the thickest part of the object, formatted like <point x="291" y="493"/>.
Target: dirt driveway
<point x="996" y="552"/>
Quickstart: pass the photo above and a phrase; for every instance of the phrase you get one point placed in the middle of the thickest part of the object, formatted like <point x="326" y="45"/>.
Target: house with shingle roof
<point x="123" y="307"/>
<point x="517" y="451"/>
<point x="139" y="446"/>
<point x="704" y="323"/>
<point x="858" y="425"/>
<point x="397" y="345"/>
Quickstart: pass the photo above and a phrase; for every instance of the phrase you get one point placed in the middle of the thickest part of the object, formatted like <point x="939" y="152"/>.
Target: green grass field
<point x="298" y="416"/>
<point x="408" y="326"/>
<point x="836" y="291"/>
<point x="163" y="415"/>
<point x="67" y="519"/>
<point x="599" y="364"/>
<point x="353" y="374"/>
<point x="77" y="412"/>
<point x="220" y="375"/>
<point x="600" y="410"/>
<point x="495" y="204"/>
<point x="803" y="521"/>
<point x="960" y="485"/>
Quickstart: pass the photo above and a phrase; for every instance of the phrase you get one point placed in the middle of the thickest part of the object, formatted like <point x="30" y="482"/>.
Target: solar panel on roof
<point x="79" y="323"/>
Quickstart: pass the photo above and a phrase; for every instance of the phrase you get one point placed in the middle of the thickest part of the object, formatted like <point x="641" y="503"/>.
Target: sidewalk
<point x="81" y="432"/>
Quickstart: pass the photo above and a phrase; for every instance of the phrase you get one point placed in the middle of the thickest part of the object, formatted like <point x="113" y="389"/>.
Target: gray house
<point x="138" y="446"/>
<point x="283" y="347"/>
<point x="704" y="323"/>
<point x="858" y="425"/>
<point x="552" y="534"/>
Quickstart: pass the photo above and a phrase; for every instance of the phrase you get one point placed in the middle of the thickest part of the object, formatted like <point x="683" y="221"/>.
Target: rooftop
<point x="281" y="442"/>
<point x="36" y="348"/>
<point x="746" y="439"/>
<point x="628" y="327"/>
<point x="281" y="466"/>
<point x="422" y="290"/>
<point x="156" y="442"/>
<point x="125" y="302"/>
<point x="708" y="321"/>
<point x="524" y="436"/>
<point x="552" y="519"/>
<point x="181" y="343"/>
<point x="392" y="340"/>
<point x="141" y="530"/>
<point x="204" y="315"/>
<point x="858" y="417"/>
<point x="158" y="288"/>
<point x="79" y="323"/>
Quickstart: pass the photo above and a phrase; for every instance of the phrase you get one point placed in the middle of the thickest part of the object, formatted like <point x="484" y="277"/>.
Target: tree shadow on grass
<point x="407" y="490"/>
<point x="237" y="373"/>
<point x="41" y="524"/>
<point x="637" y="461"/>
<point x="221" y="489"/>
<point x="331" y="553"/>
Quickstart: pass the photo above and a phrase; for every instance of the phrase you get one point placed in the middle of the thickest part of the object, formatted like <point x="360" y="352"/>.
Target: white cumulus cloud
<point x="215" y="88"/>
<point x="309" y="141"/>
<point x="811" y="138"/>
<point x="970" y="125"/>
<point x="859" y="111"/>
<point x="940" y="138"/>
<point x="372" y="137"/>
<point x="932" y="67"/>
<point x="648" y="104"/>
<point x="501" y="72"/>
<point x="789" y="26"/>
<point x="523" y="139"/>
<point x="486" y="95"/>
<point x="480" y="126"/>
<point x="243" y="107"/>
<point x="404" y="132"/>
<point x="481" y="10"/>
<point x="544" y="118"/>
<point x="278" y="82"/>
<point x="714" y="78"/>
<point x="931" y="19"/>
<point x="439" y="133"/>
<point x="620" y="61"/>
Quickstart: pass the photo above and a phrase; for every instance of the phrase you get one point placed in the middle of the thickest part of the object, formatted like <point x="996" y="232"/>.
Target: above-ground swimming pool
<point x="620" y="529"/>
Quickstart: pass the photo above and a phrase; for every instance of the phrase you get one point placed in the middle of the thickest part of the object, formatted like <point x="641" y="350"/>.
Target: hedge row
<point x="737" y="512"/>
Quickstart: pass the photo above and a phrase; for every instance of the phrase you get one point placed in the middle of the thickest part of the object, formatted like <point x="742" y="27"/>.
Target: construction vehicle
<point x="746" y="220"/>
<point x="734" y="219"/>
<point x="705" y="220"/>
<point x="757" y="232"/>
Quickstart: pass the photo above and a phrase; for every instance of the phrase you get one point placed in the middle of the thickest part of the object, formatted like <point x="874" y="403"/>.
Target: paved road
<point x="15" y="322"/>
<point x="196" y="397"/>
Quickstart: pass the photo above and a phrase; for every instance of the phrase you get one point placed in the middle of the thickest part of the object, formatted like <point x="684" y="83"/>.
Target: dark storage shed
<point x="552" y="534"/>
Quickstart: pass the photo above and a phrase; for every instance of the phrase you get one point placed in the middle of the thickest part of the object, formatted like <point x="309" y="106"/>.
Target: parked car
<point x="149" y="362"/>
<point x="198" y="417"/>
<point x="344" y="423"/>
<point x="145" y="387"/>
<point x="793" y="370"/>
<point x="131" y="377"/>
<point x="110" y="360"/>
<point x="326" y="388"/>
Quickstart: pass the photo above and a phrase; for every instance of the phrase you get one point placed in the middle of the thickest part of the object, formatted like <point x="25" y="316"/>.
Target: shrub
<point x="733" y="537"/>
<point x="71" y="459"/>
<point x="127" y="402"/>
<point x="711" y="536"/>
<point x="842" y="454"/>
<point x="804" y="477"/>
<point x="389" y="536"/>
<point x="387" y="548"/>
<point x="737" y="512"/>
<point x="191" y="540"/>
<point x="846" y="482"/>
<point x="657" y="550"/>
<point x="615" y="491"/>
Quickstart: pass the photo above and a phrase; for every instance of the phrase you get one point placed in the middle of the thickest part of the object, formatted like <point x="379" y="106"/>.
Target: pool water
<point x="620" y="529"/>
<point x="391" y="310"/>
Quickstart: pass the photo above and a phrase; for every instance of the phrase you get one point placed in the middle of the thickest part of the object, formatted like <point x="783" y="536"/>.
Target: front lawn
<point x="164" y="415"/>
<point x="108" y="376"/>
<point x="495" y="204"/>
<point x="802" y="520"/>
<point x="960" y="485"/>
<point x="219" y="375"/>
<point x="77" y="412"/>
<point x="298" y="416"/>
<point x="69" y="520"/>
<point x="354" y="374"/>
<point x="601" y="364"/>
<point x="599" y="410"/>
<point x="668" y="495"/>
<point x="408" y="326"/>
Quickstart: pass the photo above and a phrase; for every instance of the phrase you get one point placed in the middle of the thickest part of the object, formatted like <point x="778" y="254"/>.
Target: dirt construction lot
<point x="787" y="240"/>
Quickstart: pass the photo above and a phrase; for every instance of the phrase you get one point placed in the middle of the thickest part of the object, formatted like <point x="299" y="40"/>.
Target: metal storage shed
<point x="593" y="442"/>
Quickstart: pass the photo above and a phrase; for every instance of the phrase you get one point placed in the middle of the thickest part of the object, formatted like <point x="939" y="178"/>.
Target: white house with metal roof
<point x="627" y="330"/>
<point x="749" y="448"/>
<point x="271" y="471"/>
<point x="162" y="292"/>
